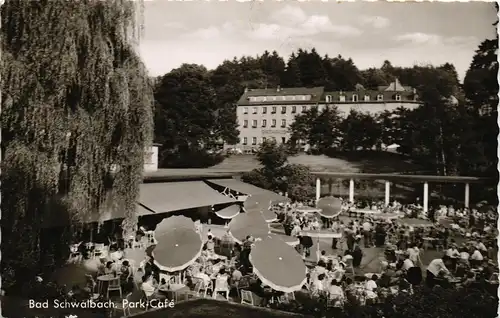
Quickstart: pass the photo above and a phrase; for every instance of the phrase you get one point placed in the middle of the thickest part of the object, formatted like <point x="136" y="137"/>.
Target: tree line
<point x="454" y="130"/>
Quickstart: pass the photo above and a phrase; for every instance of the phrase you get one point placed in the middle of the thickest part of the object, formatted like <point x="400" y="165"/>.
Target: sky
<point x="177" y="32"/>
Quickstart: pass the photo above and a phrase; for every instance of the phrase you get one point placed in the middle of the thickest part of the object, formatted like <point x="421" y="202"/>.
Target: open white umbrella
<point x="229" y="212"/>
<point x="179" y="245"/>
<point x="245" y="224"/>
<point x="278" y="265"/>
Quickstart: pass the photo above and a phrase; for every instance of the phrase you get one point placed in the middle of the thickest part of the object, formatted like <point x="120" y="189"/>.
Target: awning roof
<point x="248" y="189"/>
<point x="174" y="196"/>
<point x="153" y="198"/>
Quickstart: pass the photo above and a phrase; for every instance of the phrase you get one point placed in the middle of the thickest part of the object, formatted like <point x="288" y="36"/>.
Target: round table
<point x="103" y="281"/>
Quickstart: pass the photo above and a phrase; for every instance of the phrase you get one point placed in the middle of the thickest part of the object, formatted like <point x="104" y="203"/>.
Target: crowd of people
<point x="463" y="254"/>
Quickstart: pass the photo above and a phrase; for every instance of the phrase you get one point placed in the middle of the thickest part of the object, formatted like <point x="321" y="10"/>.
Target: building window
<point x="273" y="123"/>
<point x="264" y="122"/>
<point x="254" y="110"/>
<point x="367" y="98"/>
<point x="245" y="140"/>
<point x="342" y="98"/>
<point x="254" y="140"/>
<point x="263" y="139"/>
<point x="283" y="139"/>
<point x="245" y="110"/>
<point x="294" y="109"/>
<point x="304" y="108"/>
<point x="283" y="109"/>
<point x="254" y="123"/>
<point x="264" y="110"/>
<point x="354" y="98"/>
<point x="273" y="110"/>
<point x="245" y="123"/>
<point x="380" y="97"/>
<point x="328" y="98"/>
<point x="398" y="97"/>
<point x="283" y="123"/>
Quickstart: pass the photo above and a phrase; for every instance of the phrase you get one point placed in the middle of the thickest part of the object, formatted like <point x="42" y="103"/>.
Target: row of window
<point x="279" y="98"/>
<point x="274" y="109"/>
<point x="254" y="140"/>
<point x="355" y="98"/>
<point x="255" y="123"/>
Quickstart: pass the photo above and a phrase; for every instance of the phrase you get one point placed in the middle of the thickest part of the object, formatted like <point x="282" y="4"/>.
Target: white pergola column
<point x="387" y="193"/>
<point x="351" y="190"/>
<point x="318" y="189"/>
<point x="466" y="199"/>
<point x="426" y="196"/>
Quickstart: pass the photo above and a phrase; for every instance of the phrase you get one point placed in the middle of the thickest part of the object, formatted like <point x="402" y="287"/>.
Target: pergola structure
<point x="165" y="175"/>
<point x="424" y="179"/>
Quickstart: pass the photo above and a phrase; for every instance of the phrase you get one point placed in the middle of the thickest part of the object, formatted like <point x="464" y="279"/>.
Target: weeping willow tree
<point x="76" y="118"/>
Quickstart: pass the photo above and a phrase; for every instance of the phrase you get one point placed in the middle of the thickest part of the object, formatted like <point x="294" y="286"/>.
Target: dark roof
<point x="315" y="92"/>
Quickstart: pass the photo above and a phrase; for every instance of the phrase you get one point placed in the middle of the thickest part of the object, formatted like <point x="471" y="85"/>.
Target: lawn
<point x="207" y="308"/>
<point x="369" y="162"/>
<point x="358" y="162"/>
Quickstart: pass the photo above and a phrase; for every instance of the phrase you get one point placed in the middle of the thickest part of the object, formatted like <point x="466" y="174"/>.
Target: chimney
<point x="278" y="88"/>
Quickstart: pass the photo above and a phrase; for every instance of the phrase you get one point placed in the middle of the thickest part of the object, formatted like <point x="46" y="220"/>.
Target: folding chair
<point x="221" y="286"/>
<point x="247" y="297"/>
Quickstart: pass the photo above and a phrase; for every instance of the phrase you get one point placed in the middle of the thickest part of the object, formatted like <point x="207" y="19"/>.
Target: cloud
<point x="434" y="39"/>
<point x="377" y="22"/>
<point x="289" y="15"/>
<point x="292" y="21"/>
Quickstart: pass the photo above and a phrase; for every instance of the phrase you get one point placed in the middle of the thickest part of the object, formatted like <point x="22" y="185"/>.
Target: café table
<point x="103" y="281"/>
<point x="174" y="289"/>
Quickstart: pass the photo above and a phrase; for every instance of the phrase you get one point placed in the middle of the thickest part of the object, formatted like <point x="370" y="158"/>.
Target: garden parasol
<point x="278" y="265"/>
<point x="229" y="212"/>
<point x="257" y="203"/>
<point x="330" y="207"/>
<point x="269" y="216"/>
<point x="245" y="224"/>
<point x="179" y="245"/>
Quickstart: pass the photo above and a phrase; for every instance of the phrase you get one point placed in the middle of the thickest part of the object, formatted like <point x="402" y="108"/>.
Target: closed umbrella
<point x="179" y="245"/>
<point x="278" y="265"/>
<point x="229" y="212"/>
<point x="330" y="207"/>
<point x="245" y="224"/>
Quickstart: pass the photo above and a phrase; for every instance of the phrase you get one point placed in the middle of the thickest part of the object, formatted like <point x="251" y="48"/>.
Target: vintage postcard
<point x="302" y="158"/>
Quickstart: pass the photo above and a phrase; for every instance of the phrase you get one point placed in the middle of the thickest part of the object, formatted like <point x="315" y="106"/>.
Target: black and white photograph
<point x="223" y="159"/>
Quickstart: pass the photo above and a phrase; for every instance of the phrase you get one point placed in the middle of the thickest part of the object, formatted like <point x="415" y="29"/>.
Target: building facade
<point x="265" y="114"/>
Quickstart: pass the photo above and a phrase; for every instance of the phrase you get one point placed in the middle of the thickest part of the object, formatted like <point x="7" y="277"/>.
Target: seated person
<point x="126" y="276"/>
<point x="371" y="287"/>
<point x="110" y="268"/>
<point x="150" y="287"/>
<point x="203" y="276"/>
<point x="336" y="293"/>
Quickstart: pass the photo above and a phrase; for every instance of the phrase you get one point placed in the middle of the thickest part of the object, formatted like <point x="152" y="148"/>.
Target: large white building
<point x="267" y="113"/>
